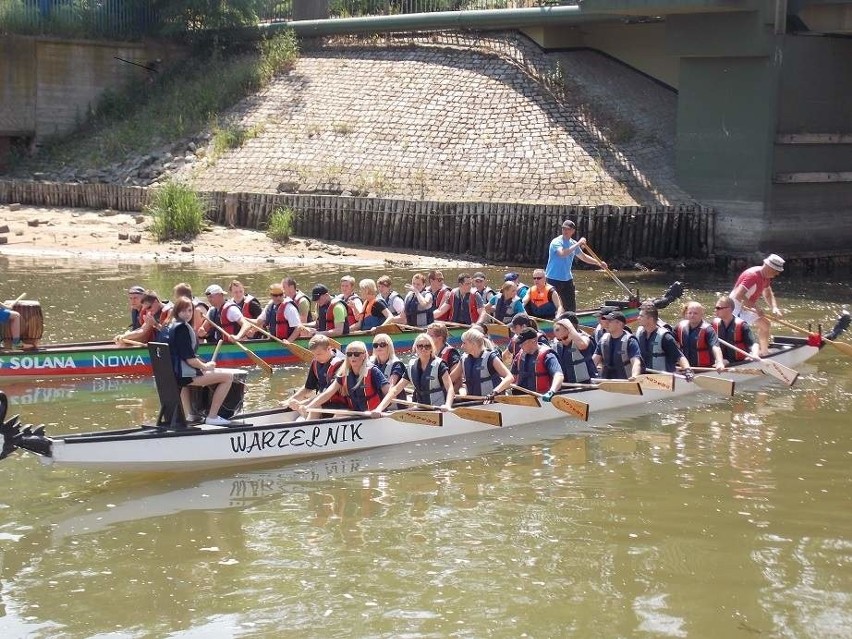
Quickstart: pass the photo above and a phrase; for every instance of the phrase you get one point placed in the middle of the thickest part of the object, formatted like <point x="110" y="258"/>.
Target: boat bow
<point x="14" y="437"/>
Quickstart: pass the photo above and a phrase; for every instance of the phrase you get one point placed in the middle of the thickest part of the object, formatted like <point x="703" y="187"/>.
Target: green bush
<point x="280" y="226"/>
<point x="178" y="212"/>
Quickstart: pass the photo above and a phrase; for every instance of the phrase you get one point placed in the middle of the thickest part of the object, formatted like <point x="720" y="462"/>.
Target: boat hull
<point x="275" y="436"/>
<point x="108" y="359"/>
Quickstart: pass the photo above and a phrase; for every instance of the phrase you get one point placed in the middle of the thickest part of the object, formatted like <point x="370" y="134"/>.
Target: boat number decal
<point x="316" y="437"/>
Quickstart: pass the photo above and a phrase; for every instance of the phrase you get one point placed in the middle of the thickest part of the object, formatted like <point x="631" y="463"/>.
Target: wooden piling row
<point x="494" y="231"/>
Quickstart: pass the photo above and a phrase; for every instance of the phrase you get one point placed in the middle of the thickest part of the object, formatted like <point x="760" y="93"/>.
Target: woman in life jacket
<point x="506" y="305"/>
<point x="361" y="384"/>
<point x="384" y="358"/>
<point x="191" y="371"/>
<point x="418" y="303"/>
<point x="483" y="372"/>
<point x="429" y="376"/>
<point x="440" y="335"/>
<point x="375" y="311"/>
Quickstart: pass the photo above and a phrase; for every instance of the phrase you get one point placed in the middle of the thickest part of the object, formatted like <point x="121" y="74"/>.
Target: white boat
<point x="276" y="435"/>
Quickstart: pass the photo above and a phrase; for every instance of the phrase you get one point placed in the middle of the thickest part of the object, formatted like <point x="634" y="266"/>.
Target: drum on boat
<point x="200" y="396"/>
<point x="32" y="322"/>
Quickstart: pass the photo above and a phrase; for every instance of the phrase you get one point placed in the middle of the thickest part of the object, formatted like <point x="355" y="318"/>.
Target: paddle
<point x="656" y="381"/>
<point x="299" y="351"/>
<point x="768" y="366"/>
<point x="216" y="350"/>
<point x="843" y="347"/>
<point x="625" y="387"/>
<point x="573" y="407"/>
<point x="497" y="327"/>
<point x="15" y="301"/>
<point x="431" y="418"/>
<point x="490" y="417"/>
<point x="607" y="271"/>
<point x="735" y="371"/>
<point x="707" y="382"/>
<point x="511" y="400"/>
<point x="388" y="329"/>
<point x="264" y="366"/>
<point x="131" y="342"/>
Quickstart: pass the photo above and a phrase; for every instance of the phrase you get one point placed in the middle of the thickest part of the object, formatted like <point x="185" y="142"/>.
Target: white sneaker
<point x="217" y="421"/>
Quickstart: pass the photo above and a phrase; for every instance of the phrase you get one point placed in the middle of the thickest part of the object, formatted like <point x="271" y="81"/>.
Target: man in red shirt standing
<point x="752" y="284"/>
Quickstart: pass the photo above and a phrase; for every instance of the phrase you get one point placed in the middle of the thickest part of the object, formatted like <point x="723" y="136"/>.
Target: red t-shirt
<point x="754" y="283"/>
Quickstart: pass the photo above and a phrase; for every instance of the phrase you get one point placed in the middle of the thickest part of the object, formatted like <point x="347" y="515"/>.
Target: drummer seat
<point x="171" y="410"/>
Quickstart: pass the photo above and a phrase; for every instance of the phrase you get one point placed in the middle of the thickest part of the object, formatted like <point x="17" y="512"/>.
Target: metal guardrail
<point x="136" y="18"/>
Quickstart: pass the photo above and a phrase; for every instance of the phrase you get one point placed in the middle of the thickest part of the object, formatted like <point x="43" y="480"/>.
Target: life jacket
<point x="386" y="369"/>
<point x="578" y="367"/>
<point x="325" y="375"/>
<point x="540" y="303"/>
<point x="220" y="317"/>
<point x="391" y="300"/>
<point x="325" y="316"/>
<point x="704" y="356"/>
<point x="276" y="319"/>
<point x="457" y="307"/>
<point x="180" y="367"/>
<point x="653" y="355"/>
<point x="428" y="386"/>
<point x="136" y="318"/>
<point x="416" y="316"/>
<point x="246" y="306"/>
<point x="447" y="353"/>
<point x="503" y="309"/>
<point x="366" y="397"/>
<point x="737" y="339"/>
<point x="350" y="304"/>
<point x="438" y="296"/>
<point x="368" y="320"/>
<point x="622" y="370"/>
<point x="297" y="300"/>
<point x="540" y="373"/>
<point x="478" y="377"/>
<point x="486" y="294"/>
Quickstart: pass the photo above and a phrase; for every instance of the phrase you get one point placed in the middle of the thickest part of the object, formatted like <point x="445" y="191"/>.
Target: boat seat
<point x="171" y="410"/>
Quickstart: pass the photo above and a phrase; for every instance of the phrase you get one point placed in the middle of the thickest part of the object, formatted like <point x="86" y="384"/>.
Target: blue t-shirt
<point x="559" y="268"/>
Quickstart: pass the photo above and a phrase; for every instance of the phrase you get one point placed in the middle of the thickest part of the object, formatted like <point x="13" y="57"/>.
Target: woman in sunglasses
<point x="429" y="376"/>
<point x="384" y="358"/>
<point x="360" y="383"/>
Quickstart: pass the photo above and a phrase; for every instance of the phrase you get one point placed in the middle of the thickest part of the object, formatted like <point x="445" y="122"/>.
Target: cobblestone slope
<point x="457" y="119"/>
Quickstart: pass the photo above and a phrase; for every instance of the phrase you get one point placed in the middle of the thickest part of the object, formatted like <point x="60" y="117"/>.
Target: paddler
<point x="542" y="299"/>
<point x="657" y="345"/>
<point x="753" y="284"/>
<point x="617" y="354"/>
<point x="573" y="349"/>
<point x="358" y="382"/>
<point x="321" y="371"/>
<point x="698" y="340"/>
<point x="483" y="372"/>
<point x="429" y="376"/>
<point x="536" y="367"/>
<point x="463" y="305"/>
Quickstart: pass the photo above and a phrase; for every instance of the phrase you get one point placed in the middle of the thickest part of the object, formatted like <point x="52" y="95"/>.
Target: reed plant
<point x="178" y="212"/>
<point x="280" y="226"/>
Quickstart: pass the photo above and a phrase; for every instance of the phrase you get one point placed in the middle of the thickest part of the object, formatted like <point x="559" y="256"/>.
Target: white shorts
<point x="749" y="317"/>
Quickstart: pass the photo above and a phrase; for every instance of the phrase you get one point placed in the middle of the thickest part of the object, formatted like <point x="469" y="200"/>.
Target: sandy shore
<point x="97" y="235"/>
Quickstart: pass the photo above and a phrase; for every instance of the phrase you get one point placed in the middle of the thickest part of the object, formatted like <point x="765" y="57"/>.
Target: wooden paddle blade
<point x="519" y="400"/>
<point x="501" y="330"/>
<point x="588" y="330"/>
<point x="334" y="343"/>
<point x="573" y="407"/>
<point x="263" y="365"/>
<point x="657" y="381"/>
<point x="490" y="417"/>
<point x="388" y="329"/>
<point x="715" y="384"/>
<point x="843" y="347"/>
<point x="424" y="418"/>
<point x="301" y="352"/>
<point x="617" y="386"/>
<point x="779" y="371"/>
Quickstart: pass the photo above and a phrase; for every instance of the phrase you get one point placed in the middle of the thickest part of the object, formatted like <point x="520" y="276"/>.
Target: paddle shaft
<point x="15" y="301"/>
<point x="299" y="351"/>
<point x="264" y="366"/>
<point x="736" y="371"/>
<point x="607" y="271"/>
<point x="843" y="347"/>
<point x="216" y="350"/>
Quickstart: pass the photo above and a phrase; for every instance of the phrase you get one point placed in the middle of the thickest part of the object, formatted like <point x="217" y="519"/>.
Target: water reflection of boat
<point x="272" y="435"/>
<point x="95" y="389"/>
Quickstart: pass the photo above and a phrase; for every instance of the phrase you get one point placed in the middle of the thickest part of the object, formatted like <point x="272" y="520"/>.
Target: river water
<point x="723" y="518"/>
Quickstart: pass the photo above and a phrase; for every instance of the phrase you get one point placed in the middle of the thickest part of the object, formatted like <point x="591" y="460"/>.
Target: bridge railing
<point x="132" y="19"/>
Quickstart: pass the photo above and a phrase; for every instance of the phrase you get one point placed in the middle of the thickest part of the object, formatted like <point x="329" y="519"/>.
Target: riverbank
<point x="109" y="236"/>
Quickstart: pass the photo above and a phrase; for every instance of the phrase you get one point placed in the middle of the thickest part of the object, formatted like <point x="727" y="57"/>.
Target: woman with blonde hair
<point x="429" y="376"/>
<point x="384" y="358"/>
<point x="360" y="383"/>
<point x="375" y="311"/>
<point x="483" y="371"/>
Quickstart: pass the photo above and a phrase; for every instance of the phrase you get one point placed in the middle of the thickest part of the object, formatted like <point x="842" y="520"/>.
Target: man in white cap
<point x="560" y="258"/>
<point x="224" y="313"/>
<point x="752" y="284"/>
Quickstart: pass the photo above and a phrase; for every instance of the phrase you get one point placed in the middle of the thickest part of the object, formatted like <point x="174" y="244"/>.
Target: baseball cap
<point x="527" y="334"/>
<point x="318" y="291"/>
<point x="511" y="276"/>
<point x="774" y="262"/>
<point x="568" y="224"/>
<point x="605" y="310"/>
<point x="214" y="289"/>
<point x="136" y="290"/>
<point x="568" y="316"/>
<point x="276" y="289"/>
<point x="521" y="319"/>
<point x="616" y="315"/>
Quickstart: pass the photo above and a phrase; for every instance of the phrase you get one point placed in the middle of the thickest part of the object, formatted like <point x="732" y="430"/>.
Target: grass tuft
<point x="280" y="226"/>
<point x="178" y="212"/>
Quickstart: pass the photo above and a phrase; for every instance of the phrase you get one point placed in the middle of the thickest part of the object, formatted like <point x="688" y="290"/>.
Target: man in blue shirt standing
<point x="560" y="259"/>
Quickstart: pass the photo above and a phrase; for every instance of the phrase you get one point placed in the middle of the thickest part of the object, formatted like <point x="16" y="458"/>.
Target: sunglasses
<point x="356" y="353"/>
<point x="719" y="308"/>
<point x="380" y="344"/>
<point x="424" y="347"/>
<point x="538" y="278"/>
<point x="277" y="294"/>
